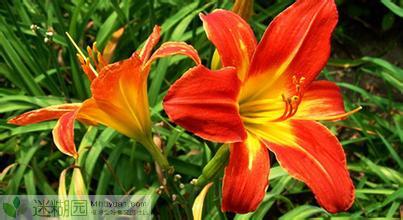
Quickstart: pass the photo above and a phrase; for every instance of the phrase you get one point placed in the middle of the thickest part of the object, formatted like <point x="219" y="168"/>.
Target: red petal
<point x="174" y="48"/>
<point x="246" y="176"/>
<point x="297" y="42"/>
<point x="63" y="134"/>
<point x="204" y="102"/>
<point x="321" y="100"/>
<point x="320" y="162"/>
<point x="44" y="114"/>
<point x="233" y="38"/>
<point x="150" y="43"/>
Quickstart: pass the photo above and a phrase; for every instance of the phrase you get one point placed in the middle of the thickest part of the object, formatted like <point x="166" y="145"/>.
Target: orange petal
<point x="244" y="8"/>
<point x="233" y="38"/>
<point x="318" y="160"/>
<point x="63" y="134"/>
<point x="204" y="102"/>
<point x="246" y="176"/>
<point x="322" y="99"/>
<point x="111" y="45"/>
<point x="296" y="43"/>
<point x="150" y="43"/>
<point x="44" y="114"/>
<point x="120" y="91"/>
<point x="91" y="112"/>
<point x="174" y="48"/>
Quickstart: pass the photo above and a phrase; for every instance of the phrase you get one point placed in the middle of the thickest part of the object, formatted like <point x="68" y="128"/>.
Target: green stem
<point x="214" y="166"/>
<point x="156" y="153"/>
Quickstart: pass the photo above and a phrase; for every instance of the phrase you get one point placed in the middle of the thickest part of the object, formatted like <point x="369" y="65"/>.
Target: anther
<point x="294" y="79"/>
<point x="80" y="58"/>
<point x="94" y="47"/>
<point x="89" y="51"/>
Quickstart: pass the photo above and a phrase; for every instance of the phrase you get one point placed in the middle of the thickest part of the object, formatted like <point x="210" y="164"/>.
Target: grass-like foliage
<point x="39" y="68"/>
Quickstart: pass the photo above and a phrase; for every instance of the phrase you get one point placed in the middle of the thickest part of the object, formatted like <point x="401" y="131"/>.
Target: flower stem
<point x="156" y="153"/>
<point x="214" y="166"/>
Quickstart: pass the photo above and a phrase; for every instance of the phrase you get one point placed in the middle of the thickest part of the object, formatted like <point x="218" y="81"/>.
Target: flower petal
<point x="174" y="48"/>
<point x="44" y="114"/>
<point x="233" y="38"/>
<point x="63" y="134"/>
<point x="91" y="112"/>
<point x="321" y="100"/>
<point x="296" y="43"/>
<point x="318" y="160"/>
<point x="204" y="102"/>
<point x="110" y="47"/>
<point x="120" y="91"/>
<point x="197" y="208"/>
<point x="246" y="176"/>
<point x="150" y="43"/>
<point x="243" y="8"/>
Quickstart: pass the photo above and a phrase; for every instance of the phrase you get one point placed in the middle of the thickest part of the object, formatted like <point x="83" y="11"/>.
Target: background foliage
<point x="38" y="67"/>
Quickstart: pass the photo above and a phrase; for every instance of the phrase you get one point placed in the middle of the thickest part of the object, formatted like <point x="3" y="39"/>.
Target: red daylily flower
<point x="119" y="95"/>
<point x="269" y="101"/>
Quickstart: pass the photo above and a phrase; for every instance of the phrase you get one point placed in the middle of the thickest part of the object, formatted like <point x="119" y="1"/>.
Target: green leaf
<point x="302" y="212"/>
<point x="393" y="7"/>
<point x="16" y="202"/>
<point x="9" y="210"/>
<point x="390" y="72"/>
<point x="392" y="151"/>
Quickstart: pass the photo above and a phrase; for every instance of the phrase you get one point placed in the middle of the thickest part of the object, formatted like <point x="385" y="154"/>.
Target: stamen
<point x="292" y="104"/>
<point x="257" y="111"/>
<point x="335" y="117"/>
<point x="101" y="60"/>
<point x="89" y="51"/>
<point x="93" y="55"/>
<point x="301" y="80"/>
<point x="286" y="104"/>
<point x="81" y="53"/>
<point x="294" y="79"/>
<point x="95" y="48"/>
<point x="80" y="58"/>
<point x="75" y="45"/>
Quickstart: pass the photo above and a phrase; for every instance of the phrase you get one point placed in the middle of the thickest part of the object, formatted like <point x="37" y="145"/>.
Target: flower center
<point x="273" y="108"/>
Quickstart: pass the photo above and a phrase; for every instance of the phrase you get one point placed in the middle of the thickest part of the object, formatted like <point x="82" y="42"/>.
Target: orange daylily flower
<point x="119" y="96"/>
<point x="264" y="98"/>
